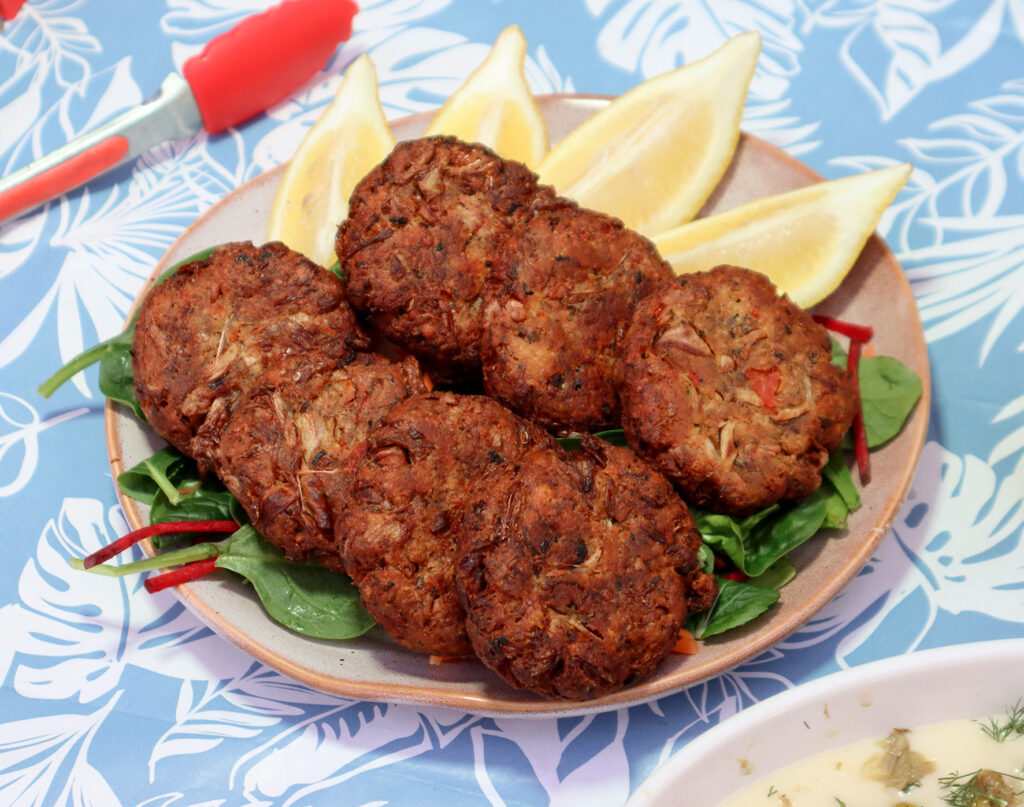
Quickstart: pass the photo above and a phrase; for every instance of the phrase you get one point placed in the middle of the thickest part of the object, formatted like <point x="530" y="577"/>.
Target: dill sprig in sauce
<point x="980" y="788"/>
<point x="1013" y="726"/>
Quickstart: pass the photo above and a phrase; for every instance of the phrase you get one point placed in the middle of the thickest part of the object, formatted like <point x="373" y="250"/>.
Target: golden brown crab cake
<point x="282" y="450"/>
<point x="203" y="335"/>
<point x="577" y="570"/>
<point x="422" y="232"/>
<point x="398" y="525"/>
<point x="729" y="390"/>
<point x="566" y="289"/>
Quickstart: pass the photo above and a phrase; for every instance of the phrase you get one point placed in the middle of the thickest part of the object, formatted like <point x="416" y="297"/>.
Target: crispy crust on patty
<point x="577" y="570"/>
<point x="422" y="231"/>
<point x="398" y="526"/>
<point x="209" y="330"/>
<point x="729" y="390"/>
<point x="567" y="287"/>
<point x="283" y="449"/>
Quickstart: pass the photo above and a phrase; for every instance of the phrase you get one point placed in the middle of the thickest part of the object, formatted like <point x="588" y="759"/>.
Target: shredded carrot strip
<point x="441" y="659"/>
<point x="125" y="541"/>
<point x="686" y="644"/>
<point x="186" y="574"/>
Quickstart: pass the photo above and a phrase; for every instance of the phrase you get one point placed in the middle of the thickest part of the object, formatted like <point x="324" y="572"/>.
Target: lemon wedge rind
<point x="350" y="137"/>
<point x="806" y="241"/>
<point x="494" y="105"/>
<point x="654" y="154"/>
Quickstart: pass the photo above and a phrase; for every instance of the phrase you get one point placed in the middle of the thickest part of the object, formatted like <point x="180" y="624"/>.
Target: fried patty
<point x="283" y="448"/>
<point x="567" y="286"/>
<point x="209" y="330"/>
<point x="728" y="389"/>
<point x="577" y="570"/>
<point x="398" y="526"/>
<point x="422" y="232"/>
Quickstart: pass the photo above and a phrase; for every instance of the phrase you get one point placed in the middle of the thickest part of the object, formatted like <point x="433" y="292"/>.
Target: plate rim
<point x="433" y="693"/>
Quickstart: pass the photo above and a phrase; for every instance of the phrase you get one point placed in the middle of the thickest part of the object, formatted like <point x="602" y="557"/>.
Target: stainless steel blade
<point x="171" y="114"/>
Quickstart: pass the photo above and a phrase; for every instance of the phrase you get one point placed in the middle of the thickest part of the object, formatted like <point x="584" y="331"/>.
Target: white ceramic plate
<point x="375" y="668"/>
<point x="949" y="683"/>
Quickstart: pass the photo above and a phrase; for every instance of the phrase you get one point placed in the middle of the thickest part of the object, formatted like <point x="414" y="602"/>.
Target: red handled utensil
<point x="237" y="75"/>
<point x="8" y="8"/>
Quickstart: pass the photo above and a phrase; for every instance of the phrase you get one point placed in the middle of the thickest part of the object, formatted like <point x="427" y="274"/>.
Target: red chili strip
<point x="125" y="541"/>
<point x="186" y="574"/>
<point x="860" y="435"/>
<point x="859" y="333"/>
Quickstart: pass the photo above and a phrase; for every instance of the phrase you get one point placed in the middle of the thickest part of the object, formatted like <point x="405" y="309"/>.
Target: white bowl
<point x="948" y="683"/>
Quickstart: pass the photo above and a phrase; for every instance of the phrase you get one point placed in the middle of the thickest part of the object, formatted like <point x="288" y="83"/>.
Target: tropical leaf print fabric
<point x="112" y="696"/>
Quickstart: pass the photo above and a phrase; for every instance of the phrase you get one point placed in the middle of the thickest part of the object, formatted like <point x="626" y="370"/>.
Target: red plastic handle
<point x="9" y="8"/>
<point x="264" y="58"/>
<point x="61" y="178"/>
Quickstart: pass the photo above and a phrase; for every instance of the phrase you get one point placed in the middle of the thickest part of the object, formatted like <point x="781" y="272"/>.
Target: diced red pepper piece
<point x="186" y="574"/>
<point x="859" y="333"/>
<point x="765" y="383"/>
<point x="125" y="541"/>
<point x="735" y="575"/>
<point x="860" y="435"/>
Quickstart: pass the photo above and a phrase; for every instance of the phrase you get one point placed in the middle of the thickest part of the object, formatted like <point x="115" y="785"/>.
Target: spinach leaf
<point x="116" y="379"/>
<point x="617" y="437"/>
<point x="114" y="356"/>
<point x="888" y="392"/>
<point x="756" y="542"/>
<point x="737" y="604"/>
<point x="206" y="501"/>
<point x="706" y="558"/>
<point x="776" y="575"/>
<point x="335" y="269"/>
<point x="161" y="472"/>
<point x="304" y="597"/>
<point x="97" y="353"/>
<point x="836" y="511"/>
<point x="838" y="475"/>
<point x="169" y="483"/>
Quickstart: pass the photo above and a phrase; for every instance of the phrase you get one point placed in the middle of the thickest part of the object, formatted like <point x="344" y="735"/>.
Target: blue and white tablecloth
<point x="109" y="695"/>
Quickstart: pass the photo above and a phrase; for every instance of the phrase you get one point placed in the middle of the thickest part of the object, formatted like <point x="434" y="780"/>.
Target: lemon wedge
<point x="494" y="105"/>
<point x="350" y="137"/>
<point x="805" y="240"/>
<point x="654" y="154"/>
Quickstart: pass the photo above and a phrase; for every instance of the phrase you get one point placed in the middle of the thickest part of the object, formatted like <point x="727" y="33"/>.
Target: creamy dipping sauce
<point x="836" y="778"/>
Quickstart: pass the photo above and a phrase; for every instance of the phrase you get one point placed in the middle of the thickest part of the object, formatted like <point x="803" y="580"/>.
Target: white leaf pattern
<point x="895" y="49"/>
<point x="969" y="521"/>
<point x="43" y="761"/>
<point x="84" y="629"/>
<point x="22" y="441"/>
<point x="87" y="661"/>
<point x="653" y="36"/>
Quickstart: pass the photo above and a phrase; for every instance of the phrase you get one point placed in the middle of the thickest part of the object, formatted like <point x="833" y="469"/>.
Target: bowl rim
<point x="874" y="681"/>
